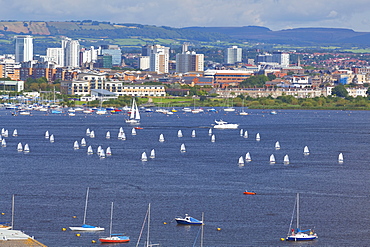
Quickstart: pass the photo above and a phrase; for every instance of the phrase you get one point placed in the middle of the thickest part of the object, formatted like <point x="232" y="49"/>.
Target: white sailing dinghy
<point x="213" y="138"/>
<point x="3" y="143"/>
<point x="272" y="159"/>
<point x="340" y="158"/>
<point x="134" y="114"/>
<point x="179" y="133"/>
<point x="144" y="157"/>
<point x="90" y="150"/>
<point x="152" y="154"/>
<point x="102" y="154"/>
<point x="161" y="138"/>
<point x="277" y="145"/>
<point x="92" y="134"/>
<point x="75" y="145"/>
<point x="84" y="226"/>
<point x="83" y="142"/>
<point x="193" y="133"/>
<point x="246" y="134"/>
<point x="210" y="132"/>
<point x="6" y="133"/>
<point x="109" y="151"/>
<point x="258" y="137"/>
<point x="306" y="151"/>
<point x="2" y="131"/>
<point x="98" y="151"/>
<point x="123" y="136"/>
<point x="15" y="132"/>
<point x="47" y="135"/>
<point x="241" y="132"/>
<point x="241" y="161"/>
<point x="20" y="147"/>
<point x="51" y="139"/>
<point x="248" y="157"/>
<point x="182" y="148"/>
<point x="87" y="131"/>
<point x="26" y="148"/>
<point x="286" y="160"/>
<point x="133" y="132"/>
<point x="107" y="135"/>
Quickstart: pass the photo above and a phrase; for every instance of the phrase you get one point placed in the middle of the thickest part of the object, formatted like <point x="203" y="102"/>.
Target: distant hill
<point x="89" y="29"/>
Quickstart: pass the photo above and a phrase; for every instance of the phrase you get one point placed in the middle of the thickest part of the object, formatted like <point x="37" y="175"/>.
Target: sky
<point x="273" y="14"/>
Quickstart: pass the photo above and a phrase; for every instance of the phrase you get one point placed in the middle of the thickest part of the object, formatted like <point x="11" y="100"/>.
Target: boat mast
<point x="87" y="197"/>
<point x="297" y="210"/>
<point x="13" y="212"/>
<point x="202" y="234"/>
<point x="111" y="220"/>
<point x="147" y="237"/>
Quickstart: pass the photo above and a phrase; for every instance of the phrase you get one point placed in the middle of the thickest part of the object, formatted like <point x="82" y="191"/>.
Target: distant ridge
<point x="107" y="30"/>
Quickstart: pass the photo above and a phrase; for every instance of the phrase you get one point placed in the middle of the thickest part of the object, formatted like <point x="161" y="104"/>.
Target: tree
<point x="339" y="91"/>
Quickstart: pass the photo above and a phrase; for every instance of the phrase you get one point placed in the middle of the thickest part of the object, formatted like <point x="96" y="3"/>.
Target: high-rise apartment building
<point x="189" y="61"/>
<point x="23" y="48"/>
<point x="233" y="55"/>
<point x="56" y="55"/>
<point x="159" y="58"/>
<point x="71" y="52"/>
<point x="281" y="58"/>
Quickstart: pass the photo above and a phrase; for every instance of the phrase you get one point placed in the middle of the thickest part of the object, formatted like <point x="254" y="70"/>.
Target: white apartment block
<point x="233" y="55"/>
<point x="189" y="61"/>
<point x="71" y="52"/>
<point x="23" y="48"/>
<point x="56" y="55"/>
<point x="144" y="62"/>
<point x="159" y="58"/>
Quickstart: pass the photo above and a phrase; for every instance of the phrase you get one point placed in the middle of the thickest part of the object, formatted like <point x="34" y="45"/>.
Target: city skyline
<point x="273" y="14"/>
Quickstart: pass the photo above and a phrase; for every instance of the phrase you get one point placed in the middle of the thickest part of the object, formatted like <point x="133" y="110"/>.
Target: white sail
<point x="179" y="133"/>
<point x="15" y="132"/>
<point x="272" y="159"/>
<point x="6" y="133"/>
<point x="152" y="154"/>
<point x="90" y="150"/>
<point x="161" y="138"/>
<point x="20" y="147"/>
<point x="2" y="131"/>
<point x="120" y="129"/>
<point x="83" y="142"/>
<point x="306" y="151"/>
<point x="51" y="138"/>
<point x="213" y="138"/>
<point x="248" y="157"/>
<point x="3" y="143"/>
<point x="134" y="113"/>
<point x="92" y="134"/>
<point x="241" y="132"/>
<point x="286" y="159"/>
<point x="98" y="151"/>
<point x="193" y="133"/>
<point x="144" y="157"/>
<point x="75" y="145"/>
<point x="123" y="136"/>
<point x="102" y="154"/>
<point x="26" y="148"/>
<point x="210" y="132"/>
<point x="258" y="138"/>
<point x="107" y="135"/>
<point x="87" y="131"/>
<point x="109" y="151"/>
<point x="182" y="148"/>
<point x="246" y="134"/>
<point x="137" y="113"/>
<point x="241" y="161"/>
<point x="47" y="135"/>
<point x="133" y="131"/>
<point x="340" y="158"/>
<point x="277" y="145"/>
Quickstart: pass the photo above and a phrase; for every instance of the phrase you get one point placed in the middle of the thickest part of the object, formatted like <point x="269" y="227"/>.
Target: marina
<point x="50" y="182"/>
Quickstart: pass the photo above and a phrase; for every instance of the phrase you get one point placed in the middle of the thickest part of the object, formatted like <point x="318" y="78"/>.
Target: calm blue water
<point x="50" y="182"/>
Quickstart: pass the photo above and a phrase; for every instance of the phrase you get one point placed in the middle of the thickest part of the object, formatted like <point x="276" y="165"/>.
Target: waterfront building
<point x="11" y="86"/>
<point x="23" y="48"/>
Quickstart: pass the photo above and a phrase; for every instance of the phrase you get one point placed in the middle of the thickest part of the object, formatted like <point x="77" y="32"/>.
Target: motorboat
<point x="249" y="192"/>
<point x="225" y="125"/>
<point x="188" y="220"/>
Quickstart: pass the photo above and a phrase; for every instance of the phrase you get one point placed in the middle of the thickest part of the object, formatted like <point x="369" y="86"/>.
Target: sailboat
<point x="161" y="138"/>
<point x="246" y="134"/>
<point x="20" y="147"/>
<point x="144" y="157"/>
<point x="133" y="132"/>
<point x="6" y="225"/>
<point x="51" y="138"/>
<point x="107" y="135"/>
<point x="114" y="238"/>
<point x="340" y="158"/>
<point x="258" y="138"/>
<point x="134" y="114"/>
<point x="182" y="148"/>
<point x="298" y="234"/>
<point x="179" y="133"/>
<point x="26" y="148"/>
<point x="210" y="132"/>
<point x="6" y="133"/>
<point x="286" y="159"/>
<point x="248" y="157"/>
<point x="102" y="154"/>
<point x="75" y="145"/>
<point x="83" y="142"/>
<point x="98" y="151"/>
<point x="92" y="134"/>
<point x="277" y="145"/>
<point x="241" y="132"/>
<point x="15" y="132"/>
<point x="3" y="143"/>
<point x="193" y="133"/>
<point x="306" y="151"/>
<point x="85" y="227"/>
<point x="123" y="136"/>
<point x="47" y="135"/>
<point x="87" y="131"/>
<point x="90" y="150"/>
<point x="109" y="151"/>
<point x="213" y="138"/>
<point x="243" y="113"/>
<point x="152" y="154"/>
<point x="147" y="218"/>
<point x="241" y="161"/>
<point x="272" y="159"/>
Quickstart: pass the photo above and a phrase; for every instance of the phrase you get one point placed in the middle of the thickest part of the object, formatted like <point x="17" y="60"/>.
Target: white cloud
<point x="274" y="14"/>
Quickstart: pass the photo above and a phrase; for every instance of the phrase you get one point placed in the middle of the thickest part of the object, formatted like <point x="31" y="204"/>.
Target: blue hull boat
<point x="188" y="220"/>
